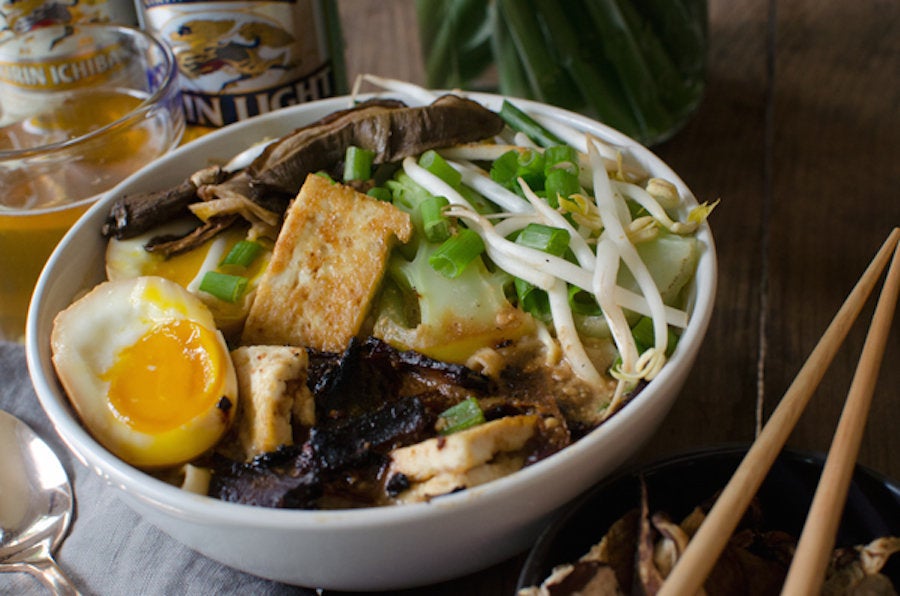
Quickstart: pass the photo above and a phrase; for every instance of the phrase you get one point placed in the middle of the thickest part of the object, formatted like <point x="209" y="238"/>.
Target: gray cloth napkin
<point x="111" y="550"/>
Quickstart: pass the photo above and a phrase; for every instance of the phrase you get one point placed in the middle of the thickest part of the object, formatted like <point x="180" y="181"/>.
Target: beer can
<point x="241" y="58"/>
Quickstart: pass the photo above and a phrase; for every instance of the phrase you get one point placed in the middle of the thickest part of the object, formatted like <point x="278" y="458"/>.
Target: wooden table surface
<point x="798" y="135"/>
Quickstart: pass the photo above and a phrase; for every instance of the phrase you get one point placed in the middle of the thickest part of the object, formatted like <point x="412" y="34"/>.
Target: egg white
<point x="88" y="338"/>
<point x="128" y="258"/>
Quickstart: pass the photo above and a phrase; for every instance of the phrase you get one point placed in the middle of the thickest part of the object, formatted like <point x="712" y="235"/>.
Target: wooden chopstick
<point x="698" y="559"/>
<point x="807" y="572"/>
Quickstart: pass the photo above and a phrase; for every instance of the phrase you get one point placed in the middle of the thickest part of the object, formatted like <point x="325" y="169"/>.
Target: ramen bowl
<point x="357" y="549"/>
<point x="81" y="108"/>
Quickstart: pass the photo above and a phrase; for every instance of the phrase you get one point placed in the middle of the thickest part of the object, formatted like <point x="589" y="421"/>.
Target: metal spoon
<point x="35" y="505"/>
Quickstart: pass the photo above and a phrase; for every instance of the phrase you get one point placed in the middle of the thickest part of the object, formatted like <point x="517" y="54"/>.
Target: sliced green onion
<point x="532" y="299"/>
<point x="561" y="157"/>
<point x="433" y="162"/>
<point x="504" y="168"/>
<point x="242" y="254"/>
<point x="522" y="122"/>
<point x="512" y="165"/>
<point x="223" y="286"/>
<point x="434" y="223"/>
<point x="584" y="302"/>
<point x="644" y="339"/>
<point x="463" y="415"/>
<point x="381" y="193"/>
<point x="546" y="238"/>
<point x="452" y="257"/>
<point x="358" y="163"/>
<point x="560" y="183"/>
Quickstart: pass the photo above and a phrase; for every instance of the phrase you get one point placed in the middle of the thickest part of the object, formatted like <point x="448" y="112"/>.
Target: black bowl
<point x="678" y="484"/>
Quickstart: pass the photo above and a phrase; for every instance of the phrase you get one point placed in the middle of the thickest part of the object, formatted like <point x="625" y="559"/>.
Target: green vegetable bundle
<point x="636" y="65"/>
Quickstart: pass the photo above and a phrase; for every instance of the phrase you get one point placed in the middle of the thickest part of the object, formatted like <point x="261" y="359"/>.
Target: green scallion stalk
<point x="465" y="414"/>
<point x="452" y="257"/>
<point x="223" y="286"/>
<point x="674" y="91"/>
<point x="433" y="162"/>
<point x="511" y="73"/>
<point x="358" y="163"/>
<point x="584" y="303"/>
<point x="549" y="80"/>
<point x="435" y="224"/>
<point x="635" y="77"/>
<point x="560" y="183"/>
<point x="644" y="339"/>
<point x="561" y="157"/>
<point x="381" y="193"/>
<point x="554" y="241"/>
<point x="589" y="71"/>
<point x="551" y="240"/>
<point x="512" y="165"/>
<point x="522" y="122"/>
<point x="532" y="300"/>
<point x="456" y="40"/>
<point x="681" y="28"/>
<point x="242" y="254"/>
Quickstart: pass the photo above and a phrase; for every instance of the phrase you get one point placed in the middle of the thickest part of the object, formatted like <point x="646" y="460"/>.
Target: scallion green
<point x="434" y="223"/>
<point x="551" y="240"/>
<point x="522" y="122"/>
<point x="561" y="157"/>
<point x="433" y="162"/>
<point x="465" y="414"/>
<point x="452" y="257"/>
<point x="224" y="286"/>
<point x="584" y="302"/>
<point x="512" y="165"/>
<point x="242" y="254"/>
<point x="643" y="336"/>
<point x="532" y="300"/>
<point x="560" y="183"/>
<point x="358" y="163"/>
<point x="381" y="193"/>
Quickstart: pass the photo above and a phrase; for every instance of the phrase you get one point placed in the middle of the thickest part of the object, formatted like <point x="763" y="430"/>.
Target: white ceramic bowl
<point x="363" y="549"/>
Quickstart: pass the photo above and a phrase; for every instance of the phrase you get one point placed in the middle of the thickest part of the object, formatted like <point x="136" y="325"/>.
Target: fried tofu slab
<point x="327" y="264"/>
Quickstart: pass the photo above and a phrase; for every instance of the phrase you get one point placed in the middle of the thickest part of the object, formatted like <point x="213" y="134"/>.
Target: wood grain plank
<point x="836" y="134"/>
<point x="721" y="155"/>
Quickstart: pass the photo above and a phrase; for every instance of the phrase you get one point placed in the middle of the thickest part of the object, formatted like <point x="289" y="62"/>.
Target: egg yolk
<point x="167" y="378"/>
<point x="181" y="268"/>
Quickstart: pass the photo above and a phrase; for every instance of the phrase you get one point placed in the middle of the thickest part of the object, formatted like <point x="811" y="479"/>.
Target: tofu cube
<point x="326" y="266"/>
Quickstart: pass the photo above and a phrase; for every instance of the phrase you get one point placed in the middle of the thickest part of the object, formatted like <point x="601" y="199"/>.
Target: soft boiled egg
<point x="128" y="258"/>
<point x="146" y="370"/>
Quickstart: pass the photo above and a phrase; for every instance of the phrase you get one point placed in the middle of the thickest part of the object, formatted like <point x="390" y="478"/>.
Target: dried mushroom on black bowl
<point x="625" y="535"/>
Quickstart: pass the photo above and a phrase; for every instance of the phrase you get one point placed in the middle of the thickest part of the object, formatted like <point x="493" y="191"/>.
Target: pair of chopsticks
<point x="807" y="571"/>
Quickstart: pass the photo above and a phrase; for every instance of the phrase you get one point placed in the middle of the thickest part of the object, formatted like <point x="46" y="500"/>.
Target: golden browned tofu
<point x="272" y="396"/>
<point x="327" y="264"/>
<point x="464" y="450"/>
<point x="448" y="482"/>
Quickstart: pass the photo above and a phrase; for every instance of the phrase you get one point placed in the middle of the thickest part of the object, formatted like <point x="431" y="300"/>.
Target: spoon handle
<point x="48" y="573"/>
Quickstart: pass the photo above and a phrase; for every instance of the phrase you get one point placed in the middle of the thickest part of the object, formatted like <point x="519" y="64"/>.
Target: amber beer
<point x="81" y="108"/>
<point x="239" y="59"/>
